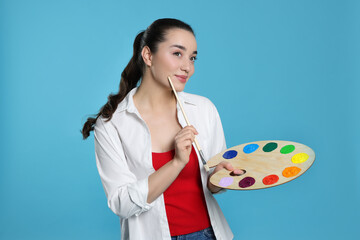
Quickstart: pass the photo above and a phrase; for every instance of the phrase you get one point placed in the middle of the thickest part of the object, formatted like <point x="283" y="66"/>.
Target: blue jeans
<point x="206" y="234"/>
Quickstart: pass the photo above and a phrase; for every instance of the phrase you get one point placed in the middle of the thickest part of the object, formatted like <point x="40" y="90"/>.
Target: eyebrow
<point x="182" y="48"/>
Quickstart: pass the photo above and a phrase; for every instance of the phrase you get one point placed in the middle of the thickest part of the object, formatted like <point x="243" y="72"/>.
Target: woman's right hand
<point x="183" y="144"/>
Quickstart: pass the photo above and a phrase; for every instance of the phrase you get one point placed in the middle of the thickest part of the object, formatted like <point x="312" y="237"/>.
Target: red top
<point x="184" y="199"/>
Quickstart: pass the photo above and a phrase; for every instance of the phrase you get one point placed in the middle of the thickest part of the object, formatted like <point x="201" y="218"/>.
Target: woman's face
<point x="174" y="57"/>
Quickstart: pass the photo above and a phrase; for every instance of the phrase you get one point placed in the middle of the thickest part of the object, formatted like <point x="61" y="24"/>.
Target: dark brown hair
<point x="133" y="72"/>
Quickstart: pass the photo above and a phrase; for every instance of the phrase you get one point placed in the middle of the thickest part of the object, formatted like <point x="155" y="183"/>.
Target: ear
<point x="147" y="56"/>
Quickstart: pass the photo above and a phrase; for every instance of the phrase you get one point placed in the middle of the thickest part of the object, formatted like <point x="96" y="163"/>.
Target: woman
<point x="144" y="154"/>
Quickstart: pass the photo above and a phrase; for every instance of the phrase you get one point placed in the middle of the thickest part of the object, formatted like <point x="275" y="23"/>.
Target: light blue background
<point x="286" y="70"/>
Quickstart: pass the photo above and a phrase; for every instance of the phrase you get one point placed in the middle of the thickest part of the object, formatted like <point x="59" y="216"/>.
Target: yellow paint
<point x="291" y="171"/>
<point x="300" y="158"/>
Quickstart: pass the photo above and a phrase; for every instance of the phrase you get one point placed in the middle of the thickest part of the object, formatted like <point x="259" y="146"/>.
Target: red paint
<point x="271" y="179"/>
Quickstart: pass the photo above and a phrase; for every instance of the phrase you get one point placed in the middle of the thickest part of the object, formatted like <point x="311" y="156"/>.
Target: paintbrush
<point x="188" y="123"/>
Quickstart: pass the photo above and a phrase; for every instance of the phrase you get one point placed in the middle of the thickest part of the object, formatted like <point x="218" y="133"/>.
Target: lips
<point x="181" y="78"/>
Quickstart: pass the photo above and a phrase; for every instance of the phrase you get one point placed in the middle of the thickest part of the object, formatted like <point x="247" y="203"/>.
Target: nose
<point x="186" y="65"/>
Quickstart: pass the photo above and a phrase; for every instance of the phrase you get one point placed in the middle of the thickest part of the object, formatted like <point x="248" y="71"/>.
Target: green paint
<point x="287" y="149"/>
<point x="269" y="147"/>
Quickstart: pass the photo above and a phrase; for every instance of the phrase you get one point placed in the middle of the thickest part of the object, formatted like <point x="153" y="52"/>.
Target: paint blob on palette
<point x="265" y="164"/>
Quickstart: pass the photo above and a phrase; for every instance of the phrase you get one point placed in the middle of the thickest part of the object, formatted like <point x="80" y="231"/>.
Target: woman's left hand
<point x="221" y="165"/>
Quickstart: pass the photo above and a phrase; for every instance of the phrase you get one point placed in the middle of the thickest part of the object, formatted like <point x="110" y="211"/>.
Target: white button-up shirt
<point x="124" y="161"/>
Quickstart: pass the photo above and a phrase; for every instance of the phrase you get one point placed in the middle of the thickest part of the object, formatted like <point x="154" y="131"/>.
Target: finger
<point x="219" y="167"/>
<point x="191" y="128"/>
<point x="184" y="145"/>
<point x="228" y="166"/>
<point x="184" y="135"/>
<point x="179" y="141"/>
<point x="238" y="172"/>
<point x="194" y="130"/>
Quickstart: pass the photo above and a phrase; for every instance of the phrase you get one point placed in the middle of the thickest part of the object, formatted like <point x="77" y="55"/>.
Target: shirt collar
<point x="128" y="102"/>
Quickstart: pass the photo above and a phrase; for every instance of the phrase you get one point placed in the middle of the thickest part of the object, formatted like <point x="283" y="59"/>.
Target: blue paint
<point x="250" y="148"/>
<point x="230" y="154"/>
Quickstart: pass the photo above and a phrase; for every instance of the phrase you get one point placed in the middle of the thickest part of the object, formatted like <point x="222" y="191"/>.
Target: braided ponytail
<point x="129" y="79"/>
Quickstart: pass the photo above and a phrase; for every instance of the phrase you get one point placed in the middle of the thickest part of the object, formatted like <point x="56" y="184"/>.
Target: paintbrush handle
<point x="188" y="123"/>
<point x="182" y="109"/>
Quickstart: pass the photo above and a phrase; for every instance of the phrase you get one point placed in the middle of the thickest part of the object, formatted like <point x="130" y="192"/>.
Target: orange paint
<point x="271" y="179"/>
<point x="291" y="172"/>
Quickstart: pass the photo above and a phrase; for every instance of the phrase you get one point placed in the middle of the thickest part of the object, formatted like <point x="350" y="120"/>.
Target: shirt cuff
<point x="138" y="193"/>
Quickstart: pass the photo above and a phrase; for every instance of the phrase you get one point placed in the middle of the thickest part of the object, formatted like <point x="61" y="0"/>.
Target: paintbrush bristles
<point x="188" y="123"/>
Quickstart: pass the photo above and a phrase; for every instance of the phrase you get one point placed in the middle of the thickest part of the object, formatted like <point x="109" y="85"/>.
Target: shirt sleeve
<point x="127" y="195"/>
<point x="218" y="138"/>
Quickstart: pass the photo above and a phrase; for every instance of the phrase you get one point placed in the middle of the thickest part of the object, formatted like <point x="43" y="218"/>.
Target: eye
<point x="193" y="59"/>
<point x="178" y="54"/>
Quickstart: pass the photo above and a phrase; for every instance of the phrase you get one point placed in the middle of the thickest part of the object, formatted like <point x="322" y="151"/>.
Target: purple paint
<point x="226" y="181"/>
<point x="246" y="182"/>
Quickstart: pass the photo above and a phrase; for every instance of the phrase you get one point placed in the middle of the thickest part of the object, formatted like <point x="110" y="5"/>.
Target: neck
<point x="154" y="97"/>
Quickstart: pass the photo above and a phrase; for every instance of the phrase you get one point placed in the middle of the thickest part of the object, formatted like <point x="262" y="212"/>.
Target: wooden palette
<point x="267" y="164"/>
